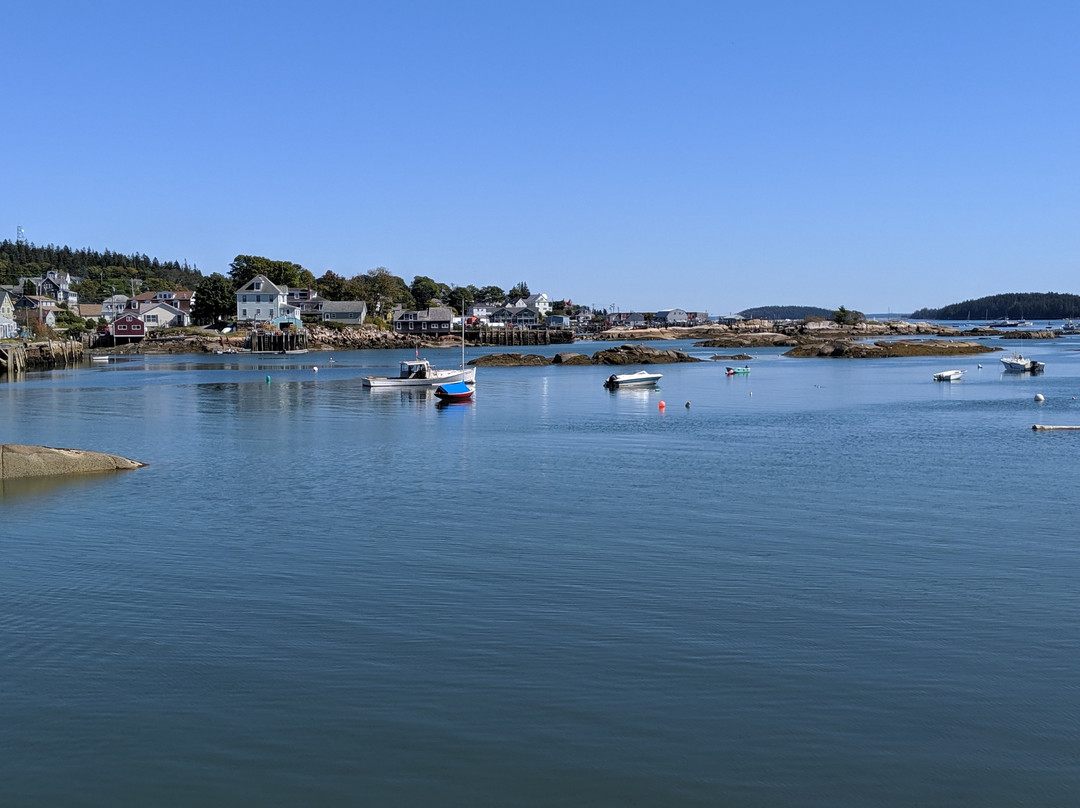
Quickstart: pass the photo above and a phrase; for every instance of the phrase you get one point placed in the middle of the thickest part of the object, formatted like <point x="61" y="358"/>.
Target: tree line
<point x="1009" y="305"/>
<point x="103" y="273"/>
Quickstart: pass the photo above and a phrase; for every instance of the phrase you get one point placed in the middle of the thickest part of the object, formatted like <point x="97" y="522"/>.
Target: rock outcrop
<point x="633" y="354"/>
<point x="847" y="349"/>
<point x="509" y="360"/>
<point x="18" y="461"/>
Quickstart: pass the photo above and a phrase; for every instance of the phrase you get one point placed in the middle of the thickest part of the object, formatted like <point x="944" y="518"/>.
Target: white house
<point x="159" y="314"/>
<point x="538" y="303"/>
<point x="261" y="301"/>
<point x="671" y="317"/>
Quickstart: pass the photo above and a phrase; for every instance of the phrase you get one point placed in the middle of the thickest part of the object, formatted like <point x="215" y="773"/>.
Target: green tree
<point x="245" y="267"/>
<point x="382" y="290"/>
<point x="28" y="287"/>
<point x="215" y="299"/>
<point x="491" y="294"/>
<point x="521" y="290"/>
<point x="424" y="290"/>
<point x="331" y="286"/>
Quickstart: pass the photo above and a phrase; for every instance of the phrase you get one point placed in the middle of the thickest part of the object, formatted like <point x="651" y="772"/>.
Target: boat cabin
<point x="414" y="369"/>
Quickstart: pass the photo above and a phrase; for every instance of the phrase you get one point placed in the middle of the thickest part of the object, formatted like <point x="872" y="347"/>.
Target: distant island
<point x="1010" y="305"/>
<point x="785" y="313"/>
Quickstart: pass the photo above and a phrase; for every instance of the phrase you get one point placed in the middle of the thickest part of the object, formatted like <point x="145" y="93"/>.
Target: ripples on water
<point x="828" y="583"/>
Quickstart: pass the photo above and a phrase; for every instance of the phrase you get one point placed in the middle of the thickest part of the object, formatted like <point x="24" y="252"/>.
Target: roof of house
<point x="344" y="305"/>
<point x="267" y="286"/>
<point x="439" y="313"/>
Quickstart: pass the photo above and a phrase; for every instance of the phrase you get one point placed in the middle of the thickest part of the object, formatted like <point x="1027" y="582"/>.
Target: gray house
<point x="430" y="322"/>
<point x="347" y="312"/>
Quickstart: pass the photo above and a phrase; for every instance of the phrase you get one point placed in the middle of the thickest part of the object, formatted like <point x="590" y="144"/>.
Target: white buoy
<point x="1039" y="397"/>
<point x="315" y="369"/>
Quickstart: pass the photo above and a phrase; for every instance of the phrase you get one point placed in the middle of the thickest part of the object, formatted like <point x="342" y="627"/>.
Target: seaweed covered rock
<point x="631" y="354"/>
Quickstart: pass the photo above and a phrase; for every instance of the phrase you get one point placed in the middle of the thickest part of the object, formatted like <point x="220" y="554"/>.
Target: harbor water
<point x="823" y="583"/>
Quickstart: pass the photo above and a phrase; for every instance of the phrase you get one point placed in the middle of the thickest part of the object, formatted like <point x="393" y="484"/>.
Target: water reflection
<point x="29" y="487"/>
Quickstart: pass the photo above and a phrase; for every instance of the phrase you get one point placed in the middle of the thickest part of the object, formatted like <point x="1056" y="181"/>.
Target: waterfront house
<point x="434" y="321"/>
<point x="538" y="303"/>
<point x="127" y="327"/>
<point x="260" y="301"/>
<point x="520" y="316"/>
<point x="670" y="317"/>
<point x="182" y="300"/>
<point x="697" y="317"/>
<point x="9" y="329"/>
<point x="159" y="314"/>
<point x="558" y="321"/>
<point x="347" y="312"/>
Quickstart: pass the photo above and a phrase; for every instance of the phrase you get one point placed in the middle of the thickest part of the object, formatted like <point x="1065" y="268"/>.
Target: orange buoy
<point x="662" y="405"/>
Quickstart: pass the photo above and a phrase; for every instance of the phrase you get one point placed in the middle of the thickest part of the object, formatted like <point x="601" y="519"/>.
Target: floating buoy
<point x="268" y="380"/>
<point x="662" y="405"/>
<point x="1039" y="397"/>
<point x="751" y="394"/>
<point x="315" y="369"/>
<point x="687" y="405"/>
<point x="980" y="367"/>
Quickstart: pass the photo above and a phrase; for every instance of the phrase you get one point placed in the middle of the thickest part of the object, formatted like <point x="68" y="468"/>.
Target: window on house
<point x="244" y="314"/>
<point x="257" y="285"/>
<point x="121" y="327"/>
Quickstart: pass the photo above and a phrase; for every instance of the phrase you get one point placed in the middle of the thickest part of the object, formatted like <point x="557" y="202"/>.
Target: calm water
<point x="829" y="583"/>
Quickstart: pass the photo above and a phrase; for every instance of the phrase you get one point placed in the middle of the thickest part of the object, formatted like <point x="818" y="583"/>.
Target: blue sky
<point x="883" y="156"/>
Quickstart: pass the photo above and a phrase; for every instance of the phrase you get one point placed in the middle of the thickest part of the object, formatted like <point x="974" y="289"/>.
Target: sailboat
<point x="456" y="391"/>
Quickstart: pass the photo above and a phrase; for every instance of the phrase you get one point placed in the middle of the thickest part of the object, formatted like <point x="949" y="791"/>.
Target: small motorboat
<point x="949" y="376"/>
<point x="737" y="371"/>
<point x="627" y="379"/>
<point x="454" y="391"/>
<point x="1016" y="363"/>
<point x="99" y="357"/>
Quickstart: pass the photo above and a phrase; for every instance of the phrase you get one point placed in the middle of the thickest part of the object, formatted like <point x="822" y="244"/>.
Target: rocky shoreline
<point x="747" y="334"/>
<point x="628" y="354"/>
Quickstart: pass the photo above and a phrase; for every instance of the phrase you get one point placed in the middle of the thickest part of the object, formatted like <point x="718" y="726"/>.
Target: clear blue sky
<point x="883" y="156"/>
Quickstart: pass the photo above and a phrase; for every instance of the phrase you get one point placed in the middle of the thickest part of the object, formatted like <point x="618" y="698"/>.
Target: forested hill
<point x="784" y="313"/>
<point x="1011" y="305"/>
<point x="103" y="273"/>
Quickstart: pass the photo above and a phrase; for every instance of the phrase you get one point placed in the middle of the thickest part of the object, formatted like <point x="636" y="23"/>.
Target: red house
<point x="127" y="327"/>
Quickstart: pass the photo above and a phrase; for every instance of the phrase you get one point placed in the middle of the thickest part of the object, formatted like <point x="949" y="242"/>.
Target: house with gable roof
<point x="538" y="303"/>
<point x="347" y="312"/>
<point x="159" y="314"/>
<point x="260" y="301"/>
<point x="433" y="322"/>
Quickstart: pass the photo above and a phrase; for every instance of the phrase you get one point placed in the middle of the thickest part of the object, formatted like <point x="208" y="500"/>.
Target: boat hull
<point x="632" y="379"/>
<point x="433" y="379"/>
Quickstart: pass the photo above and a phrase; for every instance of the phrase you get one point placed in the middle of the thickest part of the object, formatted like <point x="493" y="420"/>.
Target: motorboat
<point x="99" y="357"/>
<point x="1017" y="363"/>
<point x="736" y="371"/>
<point x="420" y="373"/>
<point x="627" y="379"/>
<point x="454" y="391"/>
<point x="949" y="376"/>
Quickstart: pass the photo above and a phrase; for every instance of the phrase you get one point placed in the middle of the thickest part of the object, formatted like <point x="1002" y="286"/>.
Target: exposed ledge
<point x="18" y="461"/>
